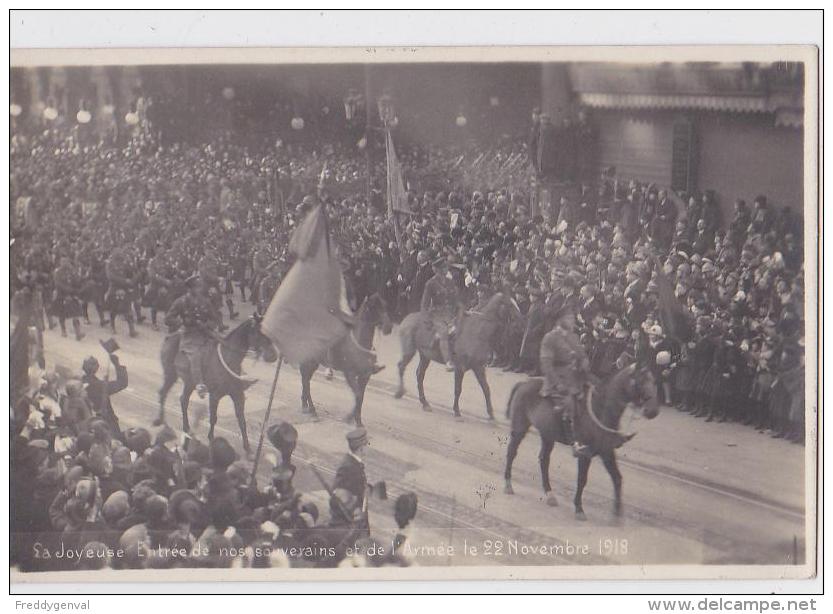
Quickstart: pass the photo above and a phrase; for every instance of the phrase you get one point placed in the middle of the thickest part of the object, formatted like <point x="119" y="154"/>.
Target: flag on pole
<point x="302" y="319"/>
<point x="397" y="197"/>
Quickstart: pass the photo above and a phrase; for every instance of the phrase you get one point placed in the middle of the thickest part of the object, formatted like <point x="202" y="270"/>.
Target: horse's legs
<point x="239" y="406"/>
<point x="581" y="482"/>
<point x="609" y="460"/>
<point x="358" y="392"/>
<point x="307" y="406"/>
<point x="515" y="439"/>
<point x="458" y="389"/>
<point x="480" y="374"/>
<point x="407" y="356"/>
<point x="213" y="402"/>
<point x="422" y="367"/>
<point x="544" y="461"/>
<point x="170" y="380"/>
<point x="184" y="398"/>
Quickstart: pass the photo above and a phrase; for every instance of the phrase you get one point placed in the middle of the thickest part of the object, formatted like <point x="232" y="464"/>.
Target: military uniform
<point x="564" y="364"/>
<point x="159" y="295"/>
<point x="197" y="317"/>
<point x="208" y="270"/>
<point x="121" y="291"/>
<point x="67" y="282"/>
<point x="93" y="284"/>
<point x="267" y="288"/>
<point x="440" y="301"/>
<point x="260" y="260"/>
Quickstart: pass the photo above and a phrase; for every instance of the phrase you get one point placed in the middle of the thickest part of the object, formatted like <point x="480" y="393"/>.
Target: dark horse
<point x="352" y="355"/>
<point x="472" y="347"/>
<point x="597" y="424"/>
<point x="221" y="372"/>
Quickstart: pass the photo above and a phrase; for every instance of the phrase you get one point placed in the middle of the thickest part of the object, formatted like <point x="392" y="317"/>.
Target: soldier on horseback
<point x="441" y="302"/>
<point x="122" y="281"/>
<point x="198" y="318"/>
<point x="566" y="370"/>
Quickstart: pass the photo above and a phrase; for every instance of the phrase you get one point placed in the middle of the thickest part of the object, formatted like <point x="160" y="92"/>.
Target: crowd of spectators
<point x="87" y="496"/>
<point x="600" y="244"/>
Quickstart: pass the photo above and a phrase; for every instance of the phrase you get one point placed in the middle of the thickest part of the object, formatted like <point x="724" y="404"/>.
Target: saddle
<point x="558" y="405"/>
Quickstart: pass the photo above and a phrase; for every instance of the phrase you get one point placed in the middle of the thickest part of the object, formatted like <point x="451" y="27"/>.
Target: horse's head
<point x="375" y="312"/>
<point x="642" y="390"/>
<point x="256" y="341"/>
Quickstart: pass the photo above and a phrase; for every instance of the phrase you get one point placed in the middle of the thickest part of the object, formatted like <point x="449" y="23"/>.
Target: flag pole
<point x="265" y="422"/>
<point x="391" y="211"/>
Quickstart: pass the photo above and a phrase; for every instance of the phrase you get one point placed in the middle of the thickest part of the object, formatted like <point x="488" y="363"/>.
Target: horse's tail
<point x="511" y="398"/>
<point x="407" y="333"/>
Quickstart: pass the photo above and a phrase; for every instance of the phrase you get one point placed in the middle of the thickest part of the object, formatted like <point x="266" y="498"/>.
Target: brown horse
<point x="221" y="373"/>
<point x="352" y="356"/>
<point x="596" y="423"/>
<point x="471" y="346"/>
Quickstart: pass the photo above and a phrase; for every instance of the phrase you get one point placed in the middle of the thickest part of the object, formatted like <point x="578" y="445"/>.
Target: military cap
<point x="192" y="281"/>
<point x="357" y="438"/>
<point x="439" y="262"/>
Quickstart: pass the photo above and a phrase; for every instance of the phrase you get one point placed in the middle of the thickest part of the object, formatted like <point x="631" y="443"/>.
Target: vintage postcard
<point x="414" y="313"/>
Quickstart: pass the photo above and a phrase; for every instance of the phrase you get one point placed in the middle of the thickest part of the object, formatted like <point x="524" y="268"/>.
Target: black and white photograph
<point x="429" y="313"/>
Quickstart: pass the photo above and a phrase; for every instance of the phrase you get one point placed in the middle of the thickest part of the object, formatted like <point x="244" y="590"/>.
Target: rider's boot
<point x="132" y="327"/>
<point x="201" y="390"/>
<point x="63" y="327"/>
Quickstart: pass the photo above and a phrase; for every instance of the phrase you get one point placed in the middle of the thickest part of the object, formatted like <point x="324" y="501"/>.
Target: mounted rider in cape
<point x="197" y="317"/>
<point x="441" y="303"/>
<point x="566" y="370"/>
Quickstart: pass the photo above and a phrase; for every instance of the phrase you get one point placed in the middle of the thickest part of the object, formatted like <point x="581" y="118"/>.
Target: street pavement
<point x="694" y="492"/>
